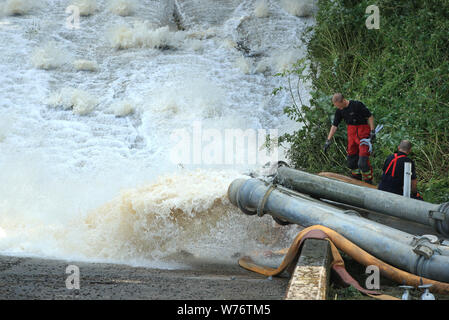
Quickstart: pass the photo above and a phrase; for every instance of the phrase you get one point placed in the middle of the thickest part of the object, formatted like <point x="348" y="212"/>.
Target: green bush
<point x="400" y="72"/>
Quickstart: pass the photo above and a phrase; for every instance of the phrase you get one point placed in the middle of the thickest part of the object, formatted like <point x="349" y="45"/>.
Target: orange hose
<point x="353" y="251"/>
<point x="346" y="179"/>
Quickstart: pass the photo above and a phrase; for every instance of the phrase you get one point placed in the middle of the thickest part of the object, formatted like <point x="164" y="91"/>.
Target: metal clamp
<point x="424" y="251"/>
<point x="424" y="238"/>
<point x="420" y="247"/>
<point x="261" y="206"/>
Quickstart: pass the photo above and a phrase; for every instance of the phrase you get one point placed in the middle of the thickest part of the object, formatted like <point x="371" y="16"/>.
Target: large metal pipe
<point x="418" y="256"/>
<point x="391" y="233"/>
<point x="434" y="215"/>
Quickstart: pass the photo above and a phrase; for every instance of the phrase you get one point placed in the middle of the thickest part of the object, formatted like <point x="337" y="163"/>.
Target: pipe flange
<point x="241" y="207"/>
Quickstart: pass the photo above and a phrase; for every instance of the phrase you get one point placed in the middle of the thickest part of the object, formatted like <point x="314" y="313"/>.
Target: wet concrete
<point x="32" y="278"/>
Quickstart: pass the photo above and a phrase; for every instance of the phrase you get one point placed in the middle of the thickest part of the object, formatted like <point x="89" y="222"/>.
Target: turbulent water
<point x="88" y="111"/>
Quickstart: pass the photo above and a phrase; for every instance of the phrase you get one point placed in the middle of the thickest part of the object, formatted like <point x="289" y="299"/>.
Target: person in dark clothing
<point x="360" y="125"/>
<point x="393" y="171"/>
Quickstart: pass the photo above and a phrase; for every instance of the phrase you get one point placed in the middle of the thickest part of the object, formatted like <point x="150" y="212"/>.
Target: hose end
<point x="233" y="189"/>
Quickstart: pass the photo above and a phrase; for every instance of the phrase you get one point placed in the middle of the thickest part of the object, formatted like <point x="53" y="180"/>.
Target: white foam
<point x="188" y="99"/>
<point x="6" y="122"/>
<point x="299" y="8"/>
<point x="122" y="7"/>
<point x="85" y="65"/>
<point x="194" y="44"/>
<point x="81" y="102"/>
<point x="244" y="64"/>
<point x="261" y="9"/>
<point x="280" y="61"/>
<point x="122" y="108"/>
<point x="163" y="217"/>
<point x="50" y="56"/>
<point x="229" y="44"/>
<point x="144" y="34"/>
<point x="283" y="60"/>
<point x="262" y="66"/>
<point x="86" y="7"/>
<point x="202" y="33"/>
<point x="42" y="207"/>
<point x="18" y="7"/>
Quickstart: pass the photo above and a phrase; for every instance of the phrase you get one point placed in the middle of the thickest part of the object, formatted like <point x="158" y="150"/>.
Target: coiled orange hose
<point x="338" y="241"/>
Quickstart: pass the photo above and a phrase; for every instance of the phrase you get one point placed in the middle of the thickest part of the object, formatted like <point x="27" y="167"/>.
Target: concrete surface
<point x="32" y="278"/>
<point x="310" y="279"/>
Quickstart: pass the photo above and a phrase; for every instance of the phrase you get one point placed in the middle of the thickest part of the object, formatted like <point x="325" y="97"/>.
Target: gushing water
<point x="86" y="116"/>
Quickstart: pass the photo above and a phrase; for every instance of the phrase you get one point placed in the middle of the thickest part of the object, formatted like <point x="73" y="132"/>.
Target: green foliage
<point x="348" y="293"/>
<point x="400" y="72"/>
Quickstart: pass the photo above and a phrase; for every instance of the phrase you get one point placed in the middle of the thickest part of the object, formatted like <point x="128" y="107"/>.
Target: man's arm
<point x="335" y="123"/>
<point x="329" y="137"/>
<point x="332" y="132"/>
<point x="371" y="123"/>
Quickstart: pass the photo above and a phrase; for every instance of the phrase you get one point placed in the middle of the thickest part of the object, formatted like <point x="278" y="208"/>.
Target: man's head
<point x="405" y="146"/>
<point x="339" y="101"/>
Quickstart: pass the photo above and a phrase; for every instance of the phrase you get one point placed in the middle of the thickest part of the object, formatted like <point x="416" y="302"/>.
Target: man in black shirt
<point x="360" y="125"/>
<point x="393" y="171"/>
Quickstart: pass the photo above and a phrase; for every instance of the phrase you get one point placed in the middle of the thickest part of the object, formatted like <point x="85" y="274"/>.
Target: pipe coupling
<point x="424" y="248"/>
<point x="439" y="219"/>
<point x="263" y="201"/>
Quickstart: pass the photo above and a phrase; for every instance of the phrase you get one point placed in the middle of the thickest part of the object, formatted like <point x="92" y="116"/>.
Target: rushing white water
<point x="87" y="115"/>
